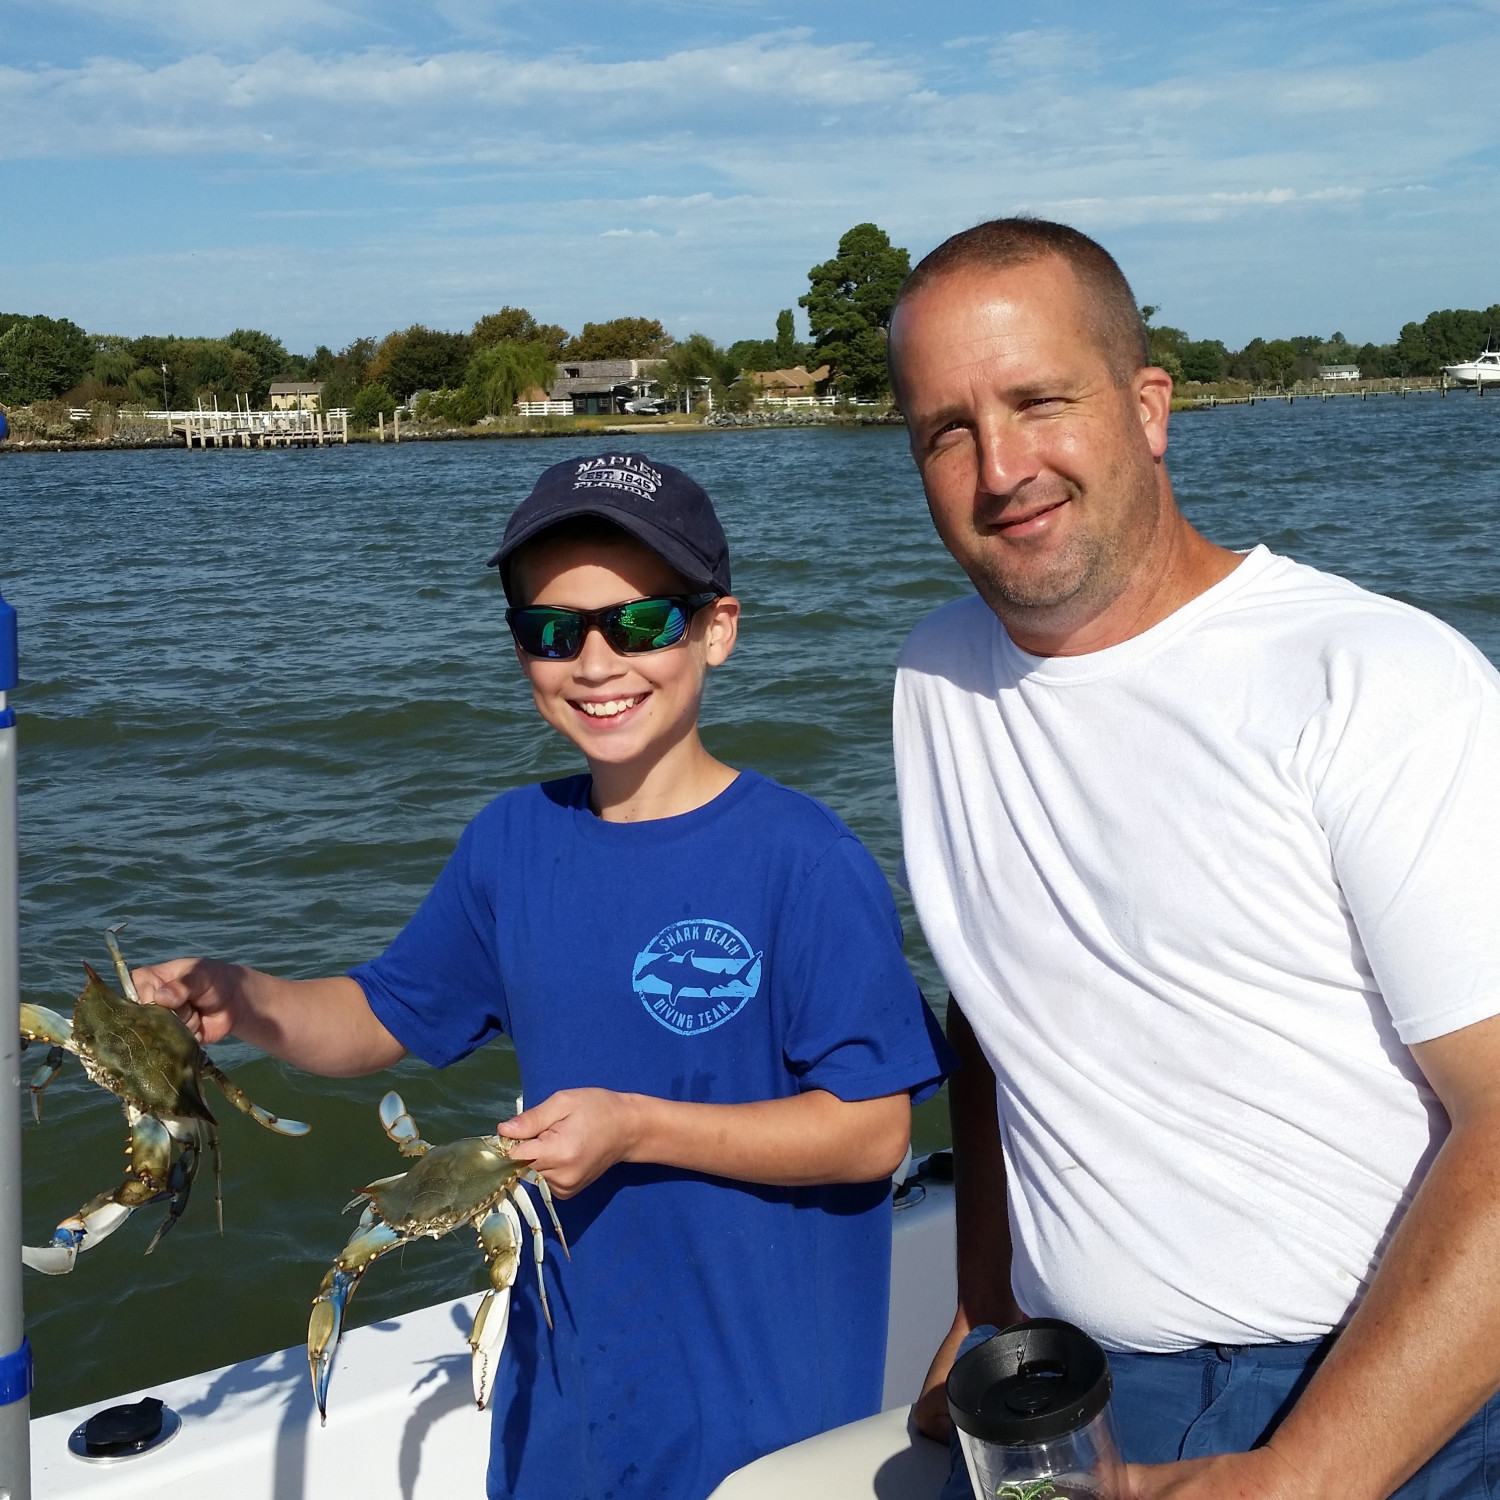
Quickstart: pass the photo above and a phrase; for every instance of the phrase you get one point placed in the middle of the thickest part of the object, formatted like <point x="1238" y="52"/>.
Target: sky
<point x="326" y="170"/>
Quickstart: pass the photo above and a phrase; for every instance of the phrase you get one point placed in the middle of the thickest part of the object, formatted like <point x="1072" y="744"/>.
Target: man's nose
<point x="1007" y="457"/>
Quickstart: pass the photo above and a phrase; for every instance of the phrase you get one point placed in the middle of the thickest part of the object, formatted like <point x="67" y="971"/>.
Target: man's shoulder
<point x="961" y="629"/>
<point x="1330" y="618"/>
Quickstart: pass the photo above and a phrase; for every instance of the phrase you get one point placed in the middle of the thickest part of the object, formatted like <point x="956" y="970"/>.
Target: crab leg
<point x="149" y="1180"/>
<point x="38" y="1024"/>
<point x="180" y="1180"/>
<point x="369" y="1240"/>
<point x="400" y="1126"/>
<point x="539" y="1182"/>
<point x="246" y="1105"/>
<point x="122" y="969"/>
<point x="522" y="1201"/>
<point x="500" y="1239"/>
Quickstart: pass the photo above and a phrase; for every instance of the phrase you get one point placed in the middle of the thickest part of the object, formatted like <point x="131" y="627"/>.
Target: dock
<point x="1304" y="391"/>
<point x="208" y="427"/>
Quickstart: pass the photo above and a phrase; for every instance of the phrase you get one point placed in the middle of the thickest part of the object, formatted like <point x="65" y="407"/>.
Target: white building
<point x="1338" y="372"/>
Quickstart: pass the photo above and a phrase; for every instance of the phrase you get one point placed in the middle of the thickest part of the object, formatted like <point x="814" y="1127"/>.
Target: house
<point x="794" y="382"/>
<point x="601" y="387"/>
<point x="296" y="395"/>
<point x="1338" y="372"/>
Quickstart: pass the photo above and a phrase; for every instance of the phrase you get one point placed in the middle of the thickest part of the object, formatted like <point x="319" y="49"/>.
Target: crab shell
<point x="450" y="1185"/>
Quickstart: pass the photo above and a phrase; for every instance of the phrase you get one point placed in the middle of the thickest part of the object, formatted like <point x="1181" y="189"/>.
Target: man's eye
<point x="946" y="433"/>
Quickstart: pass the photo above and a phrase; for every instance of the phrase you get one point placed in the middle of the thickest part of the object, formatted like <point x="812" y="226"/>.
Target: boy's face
<point x="620" y="710"/>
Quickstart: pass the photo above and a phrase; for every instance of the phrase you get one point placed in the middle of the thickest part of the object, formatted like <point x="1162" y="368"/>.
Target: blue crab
<point x="148" y="1058"/>
<point x="472" y="1181"/>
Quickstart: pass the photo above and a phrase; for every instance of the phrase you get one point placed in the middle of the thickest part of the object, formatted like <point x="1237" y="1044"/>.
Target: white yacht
<point x="1483" y="369"/>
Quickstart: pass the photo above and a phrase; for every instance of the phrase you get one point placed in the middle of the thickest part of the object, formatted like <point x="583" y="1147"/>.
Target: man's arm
<point x="813" y="1137"/>
<point x="1422" y="1353"/>
<point x="323" y="1025"/>
<point x="983" y="1223"/>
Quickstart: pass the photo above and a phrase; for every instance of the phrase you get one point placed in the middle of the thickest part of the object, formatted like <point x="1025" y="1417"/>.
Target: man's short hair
<point x="1003" y="243"/>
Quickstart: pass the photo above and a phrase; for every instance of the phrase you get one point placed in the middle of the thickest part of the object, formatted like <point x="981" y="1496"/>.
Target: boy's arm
<point x="807" y="1139"/>
<point x="323" y="1025"/>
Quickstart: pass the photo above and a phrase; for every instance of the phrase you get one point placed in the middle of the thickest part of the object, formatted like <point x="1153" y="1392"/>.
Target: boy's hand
<point x="203" y="991"/>
<point x="575" y="1136"/>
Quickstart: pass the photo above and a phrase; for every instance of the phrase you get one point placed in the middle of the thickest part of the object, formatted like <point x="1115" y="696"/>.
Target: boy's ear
<point x="723" y="629"/>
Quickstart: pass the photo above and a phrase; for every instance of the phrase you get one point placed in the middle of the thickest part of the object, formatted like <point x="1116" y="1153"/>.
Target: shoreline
<point x="719" y="422"/>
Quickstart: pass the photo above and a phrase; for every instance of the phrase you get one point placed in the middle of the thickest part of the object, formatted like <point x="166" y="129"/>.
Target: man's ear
<point x="723" y="629"/>
<point x="1152" y="391"/>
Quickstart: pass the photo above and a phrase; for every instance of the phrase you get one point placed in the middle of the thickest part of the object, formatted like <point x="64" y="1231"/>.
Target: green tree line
<point x="508" y="354"/>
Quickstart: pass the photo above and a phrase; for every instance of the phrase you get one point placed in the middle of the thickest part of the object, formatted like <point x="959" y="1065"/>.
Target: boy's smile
<point x="634" y="717"/>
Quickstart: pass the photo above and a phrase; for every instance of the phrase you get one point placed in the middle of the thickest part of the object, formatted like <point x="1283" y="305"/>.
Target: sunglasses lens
<point x="647" y="625"/>
<point x="553" y="634"/>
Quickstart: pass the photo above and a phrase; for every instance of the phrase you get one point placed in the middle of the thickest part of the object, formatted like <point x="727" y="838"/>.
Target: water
<point x="263" y="692"/>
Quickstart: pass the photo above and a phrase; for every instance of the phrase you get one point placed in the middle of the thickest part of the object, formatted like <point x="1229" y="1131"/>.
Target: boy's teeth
<point x="610" y="709"/>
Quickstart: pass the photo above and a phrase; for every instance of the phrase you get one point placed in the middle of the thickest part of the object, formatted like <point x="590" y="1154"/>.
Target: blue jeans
<point x="1200" y="1402"/>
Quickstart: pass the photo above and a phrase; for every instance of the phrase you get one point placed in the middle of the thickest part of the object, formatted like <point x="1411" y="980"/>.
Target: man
<point x="1207" y="846"/>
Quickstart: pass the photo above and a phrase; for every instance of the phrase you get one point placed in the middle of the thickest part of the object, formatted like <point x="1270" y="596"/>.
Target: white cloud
<point x="483" y="173"/>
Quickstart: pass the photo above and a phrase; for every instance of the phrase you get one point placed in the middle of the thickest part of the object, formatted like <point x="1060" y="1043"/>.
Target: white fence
<point x="544" y="408"/>
<point x="811" y="401"/>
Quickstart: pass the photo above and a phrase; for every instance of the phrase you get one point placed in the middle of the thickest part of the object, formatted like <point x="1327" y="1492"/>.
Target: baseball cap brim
<point x="666" y="546"/>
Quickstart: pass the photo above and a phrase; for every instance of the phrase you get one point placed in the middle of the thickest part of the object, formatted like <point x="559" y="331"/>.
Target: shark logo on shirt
<point x="696" y="974"/>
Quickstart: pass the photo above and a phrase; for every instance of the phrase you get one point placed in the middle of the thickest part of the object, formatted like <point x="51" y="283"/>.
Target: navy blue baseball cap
<point x="656" y="504"/>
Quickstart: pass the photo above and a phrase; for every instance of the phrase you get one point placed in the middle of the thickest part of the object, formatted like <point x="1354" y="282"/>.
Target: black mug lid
<point x="1032" y="1383"/>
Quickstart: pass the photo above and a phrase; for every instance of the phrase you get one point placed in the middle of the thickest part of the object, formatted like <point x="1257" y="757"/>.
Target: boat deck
<point x="402" y="1421"/>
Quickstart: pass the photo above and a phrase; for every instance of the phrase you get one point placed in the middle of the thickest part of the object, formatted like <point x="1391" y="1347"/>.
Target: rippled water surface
<point x="263" y="692"/>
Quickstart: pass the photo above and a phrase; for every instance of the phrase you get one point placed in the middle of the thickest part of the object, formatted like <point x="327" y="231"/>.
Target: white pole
<point x="15" y="1352"/>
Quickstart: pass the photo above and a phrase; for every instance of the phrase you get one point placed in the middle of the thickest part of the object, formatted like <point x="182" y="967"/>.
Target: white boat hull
<point x="1476" y="372"/>
<point x="402" y="1425"/>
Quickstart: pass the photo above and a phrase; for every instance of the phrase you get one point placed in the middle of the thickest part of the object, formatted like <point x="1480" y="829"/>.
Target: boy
<point x="701" y="973"/>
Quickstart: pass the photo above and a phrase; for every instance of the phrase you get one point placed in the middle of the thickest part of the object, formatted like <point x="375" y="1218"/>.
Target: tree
<point x="1164" y="346"/>
<point x="849" y="305"/>
<point x="695" y="362"/>
<point x="345" y="372"/>
<point x="421" y="359"/>
<point x="620" y="338"/>
<point x="1202" y="359"/>
<point x="786" y="340"/>
<point x="754" y="354"/>
<point x="516" y="325"/>
<point x="41" y="358"/>
<point x="500" y="375"/>
<point x="370" y="403"/>
<point x="223" y="371"/>
<point x="270" y="358"/>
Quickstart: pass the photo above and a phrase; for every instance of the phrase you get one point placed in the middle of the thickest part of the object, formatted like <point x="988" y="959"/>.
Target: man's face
<point x="1041" y="471"/>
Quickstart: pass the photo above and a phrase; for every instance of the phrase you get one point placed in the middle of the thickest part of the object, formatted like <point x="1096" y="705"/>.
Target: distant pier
<point x="240" y="428"/>
<point x="1329" y="391"/>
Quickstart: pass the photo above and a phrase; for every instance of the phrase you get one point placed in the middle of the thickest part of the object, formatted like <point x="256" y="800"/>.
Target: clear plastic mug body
<point x="1084" y="1465"/>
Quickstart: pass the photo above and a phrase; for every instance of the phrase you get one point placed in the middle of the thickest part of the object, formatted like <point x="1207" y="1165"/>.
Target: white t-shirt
<point x="1195" y="893"/>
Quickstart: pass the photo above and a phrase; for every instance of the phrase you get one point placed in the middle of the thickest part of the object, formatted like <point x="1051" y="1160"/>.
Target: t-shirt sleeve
<point x="1416" y="848"/>
<point x="857" y="1025"/>
<point x="437" y="989"/>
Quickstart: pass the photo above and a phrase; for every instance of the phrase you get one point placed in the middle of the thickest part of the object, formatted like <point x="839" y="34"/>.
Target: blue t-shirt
<point x="746" y="950"/>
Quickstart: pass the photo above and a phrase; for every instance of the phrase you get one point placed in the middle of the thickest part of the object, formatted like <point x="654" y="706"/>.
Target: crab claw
<point x="81" y="1232"/>
<point x="324" y="1327"/>
<point x="487" y="1340"/>
<point x="323" y="1330"/>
